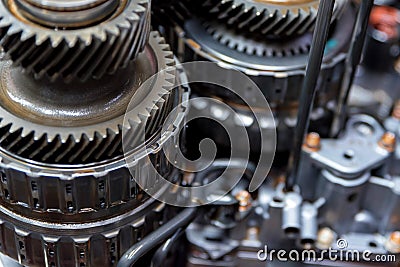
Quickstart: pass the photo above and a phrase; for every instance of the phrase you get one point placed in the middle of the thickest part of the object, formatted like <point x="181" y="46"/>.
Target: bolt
<point x="396" y="110"/>
<point x="252" y="233"/>
<point x="312" y="142"/>
<point x="326" y="237"/>
<point x="388" y="141"/>
<point x="244" y="199"/>
<point x="393" y="242"/>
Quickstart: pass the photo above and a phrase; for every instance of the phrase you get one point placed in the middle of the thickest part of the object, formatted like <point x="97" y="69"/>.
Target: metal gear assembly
<point x="275" y="18"/>
<point x="71" y="70"/>
<point x="277" y="65"/>
<point x="73" y="39"/>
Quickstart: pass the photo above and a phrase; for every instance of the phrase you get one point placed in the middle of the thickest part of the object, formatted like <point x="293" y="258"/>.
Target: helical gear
<point x="84" y="51"/>
<point x="299" y="45"/>
<point x="93" y="142"/>
<point x="275" y="18"/>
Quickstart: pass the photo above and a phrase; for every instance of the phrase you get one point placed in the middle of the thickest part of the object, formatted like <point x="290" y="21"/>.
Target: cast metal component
<point x="67" y="14"/>
<point x="58" y="126"/>
<point x="359" y="150"/>
<point x="278" y="68"/>
<point x="268" y="17"/>
<point x="273" y="48"/>
<point x="104" y="187"/>
<point x="73" y="46"/>
<point x="100" y="243"/>
<point x="291" y="213"/>
<point x="309" y="223"/>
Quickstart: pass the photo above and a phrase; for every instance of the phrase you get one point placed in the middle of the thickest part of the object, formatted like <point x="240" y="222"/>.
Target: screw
<point x="388" y="141"/>
<point x="396" y="110"/>
<point x="312" y="142"/>
<point x="393" y="242"/>
<point x="326" y="237"/>
<point x="244" y="199"/>
<point x="252" y="233"/>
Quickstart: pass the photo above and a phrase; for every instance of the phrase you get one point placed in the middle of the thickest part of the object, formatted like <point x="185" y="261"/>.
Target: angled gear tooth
<point x="245" y="15"/>
<point x="132" y="19"/>
<point x="92" y="142"/>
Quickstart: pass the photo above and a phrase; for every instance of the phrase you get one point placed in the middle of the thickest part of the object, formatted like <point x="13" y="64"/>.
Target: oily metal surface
<point x="82" y="122"/>
<point x="266" y="18"/>
<point x="90" y="49"/>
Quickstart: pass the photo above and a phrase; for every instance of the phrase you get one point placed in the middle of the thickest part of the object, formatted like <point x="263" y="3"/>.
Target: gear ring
<point x="95" y="142"/>
<point x="36" y="243"/>
<point x="87" y="191"/>
<point x="281" y="48"/>
<point x="275" y="18"/>
<point x="84" y="52"/>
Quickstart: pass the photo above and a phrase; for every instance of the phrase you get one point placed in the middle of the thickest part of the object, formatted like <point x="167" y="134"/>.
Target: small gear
<point x="82" y="141"/>
<point x="72" y="44"/>
<point x="299" y="45"/>
<point x="275" y="18"/>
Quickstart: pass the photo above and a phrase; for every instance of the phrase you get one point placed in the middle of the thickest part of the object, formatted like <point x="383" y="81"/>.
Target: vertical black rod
<point x="352" y="60"/>
<point x="309" y="88"/>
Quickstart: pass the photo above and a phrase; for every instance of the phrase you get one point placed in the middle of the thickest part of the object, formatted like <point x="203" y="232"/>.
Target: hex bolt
<point x="244" y="199"/>
<point x="312" y="142"/>
<point x="396" y="110"/>
<point x="252" y="233"/>
<point x="325" y="238"/>
<point x="393" y="243"/>
<point x="388" y="141"/>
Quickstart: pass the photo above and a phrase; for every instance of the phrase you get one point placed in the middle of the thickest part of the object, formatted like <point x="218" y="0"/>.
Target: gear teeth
<point x="252" y="47"/>
<point x="93" y="144"/>
<point x="36" y="247"/>
<point x="263" y="18"/>
<point x="94" y="44"/>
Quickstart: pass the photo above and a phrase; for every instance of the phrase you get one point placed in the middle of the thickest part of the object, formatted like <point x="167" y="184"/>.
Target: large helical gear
<point x="83" y="143"/>
<point x="69" y="190"/>
<point x="274" y="18"/>
<point x="72" y="44"/>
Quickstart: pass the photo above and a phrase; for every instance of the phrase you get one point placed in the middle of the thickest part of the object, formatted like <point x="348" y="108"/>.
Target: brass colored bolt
<point x="396" y="110"/>
<point x="388" y="141"/>
<point x="244" y="199"/>
<point x="312" y="142"/>
<point x="393" y="242"/>
<point x="252" y="233"/>
<point x="325" y="239"/>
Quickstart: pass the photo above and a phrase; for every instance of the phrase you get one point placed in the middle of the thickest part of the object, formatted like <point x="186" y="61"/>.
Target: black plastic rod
<point x="309" y="88"/>
<point x="352" y="61"/>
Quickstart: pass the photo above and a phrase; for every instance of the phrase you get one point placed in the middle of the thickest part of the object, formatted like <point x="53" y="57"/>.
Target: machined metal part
<point x="51" y="207"/>
<point x="92" y="184"/>
<point x="57" y="126"/>
<point x="100" y="243"/>
<point x="69" y="46"/>
<point x="277" y="67"/>
<point x="266" y="17"/>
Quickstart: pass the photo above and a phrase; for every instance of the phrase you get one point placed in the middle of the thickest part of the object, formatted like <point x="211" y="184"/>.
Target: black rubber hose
<point x="155" y="238"/>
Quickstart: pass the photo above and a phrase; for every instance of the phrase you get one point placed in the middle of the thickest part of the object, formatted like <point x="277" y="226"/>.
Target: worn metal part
<point x="89" y="188"/>
<point x="38" y="243"/>
<point x="266" y="17"/>
<point x="86" y="214"/>
<point x="58" y="125"/>
<point x="68" y="46"/>
<point x="277" y="67"/>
